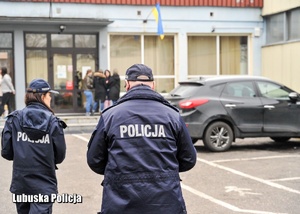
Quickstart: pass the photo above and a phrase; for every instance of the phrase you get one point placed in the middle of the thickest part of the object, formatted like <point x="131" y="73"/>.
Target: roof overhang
<point x="54" y="21"/>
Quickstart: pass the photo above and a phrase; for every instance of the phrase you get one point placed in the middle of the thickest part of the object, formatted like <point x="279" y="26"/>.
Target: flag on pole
<point x="157" y="16"/>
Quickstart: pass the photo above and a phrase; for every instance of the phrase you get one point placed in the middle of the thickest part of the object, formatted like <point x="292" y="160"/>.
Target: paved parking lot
<point x="255" y="176"/>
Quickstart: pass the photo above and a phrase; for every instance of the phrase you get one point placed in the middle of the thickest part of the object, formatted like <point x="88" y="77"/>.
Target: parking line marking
<point x="286" y="179"/>
<point x="222" y="203"/>
<point x="205" y="196"/>
<point x="80" y="137"/>
<point x="256" y="158"/>
<point x="269" y="183"/>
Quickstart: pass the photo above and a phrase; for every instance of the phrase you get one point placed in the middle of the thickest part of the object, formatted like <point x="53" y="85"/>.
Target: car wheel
<point x="280" y="139"/>
<point x="218" y="137"/>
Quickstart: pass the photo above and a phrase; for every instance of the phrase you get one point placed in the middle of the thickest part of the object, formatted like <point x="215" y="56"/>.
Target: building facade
<point x="280" y="51"/>
<point x="58" y="40"/>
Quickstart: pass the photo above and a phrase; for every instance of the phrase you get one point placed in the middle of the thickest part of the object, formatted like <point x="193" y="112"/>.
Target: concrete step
<point x="80" y="124"/>
<point x="77" y="123"/>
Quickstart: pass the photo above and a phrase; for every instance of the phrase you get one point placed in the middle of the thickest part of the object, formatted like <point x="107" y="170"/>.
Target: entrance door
<point x="68" y="71"/>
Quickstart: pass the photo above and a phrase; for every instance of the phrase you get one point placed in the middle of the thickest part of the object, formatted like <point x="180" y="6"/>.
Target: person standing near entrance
<point x="0" y="90"/>
<point x="100" y="90"/>
<point x="114" y="91"/>
<point x="108" y="83"/>
<point x="33" y="139"/>
<point x="87" y="86"/>
<point x="140" y="145"/>
<point x="78" y="86"/>
<point x="8" y="91"/>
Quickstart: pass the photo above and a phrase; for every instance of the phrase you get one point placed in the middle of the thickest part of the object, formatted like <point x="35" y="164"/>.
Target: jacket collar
<point x="145" y="93"/>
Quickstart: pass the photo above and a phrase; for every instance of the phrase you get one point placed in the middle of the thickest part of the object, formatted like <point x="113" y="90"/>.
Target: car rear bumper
<point x="195" y="130"/>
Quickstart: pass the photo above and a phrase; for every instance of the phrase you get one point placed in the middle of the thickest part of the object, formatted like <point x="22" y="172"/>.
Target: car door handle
<point x="269" y="107"/>
<point x="230" y="105"/>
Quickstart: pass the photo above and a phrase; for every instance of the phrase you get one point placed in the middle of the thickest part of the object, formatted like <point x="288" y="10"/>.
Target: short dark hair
<point x="3" y="71"/>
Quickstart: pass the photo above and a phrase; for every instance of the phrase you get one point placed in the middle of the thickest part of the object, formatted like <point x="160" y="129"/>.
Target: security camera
<point x="62" y="27"/>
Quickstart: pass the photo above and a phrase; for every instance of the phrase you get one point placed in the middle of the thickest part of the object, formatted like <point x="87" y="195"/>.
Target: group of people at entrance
<point x="101" y="90"/>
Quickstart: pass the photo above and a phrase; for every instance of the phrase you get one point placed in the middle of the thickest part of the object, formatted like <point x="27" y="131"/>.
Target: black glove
<point x="62" y="123"/>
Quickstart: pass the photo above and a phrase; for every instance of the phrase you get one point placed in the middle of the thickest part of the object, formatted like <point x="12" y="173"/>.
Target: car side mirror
<point x="293" y="96"/>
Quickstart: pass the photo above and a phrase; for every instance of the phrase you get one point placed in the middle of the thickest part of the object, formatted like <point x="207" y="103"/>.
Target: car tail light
<point x="189" y="104"/>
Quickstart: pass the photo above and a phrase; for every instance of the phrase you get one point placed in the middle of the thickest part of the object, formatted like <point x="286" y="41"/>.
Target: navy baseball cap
<point x="139" y="72"/>
<point x="40" y="86"/>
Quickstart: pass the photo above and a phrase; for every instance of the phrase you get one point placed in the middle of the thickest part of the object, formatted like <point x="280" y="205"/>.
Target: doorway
<point x="62" y="60"/>
<point x="66" y="74"/>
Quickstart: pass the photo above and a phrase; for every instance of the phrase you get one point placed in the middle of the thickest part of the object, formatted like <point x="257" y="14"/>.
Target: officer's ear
<point x="153" y="85"/>
<point x="127" y="86"/>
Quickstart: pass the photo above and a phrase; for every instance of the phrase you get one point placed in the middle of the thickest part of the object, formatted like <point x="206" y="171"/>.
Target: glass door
<point x="68" y="71"/>
<point x="84" y="62"/>
<point x="63" y="82"/>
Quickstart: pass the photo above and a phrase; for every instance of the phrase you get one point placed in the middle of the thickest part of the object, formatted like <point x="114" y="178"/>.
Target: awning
<point x="54" y="21"/>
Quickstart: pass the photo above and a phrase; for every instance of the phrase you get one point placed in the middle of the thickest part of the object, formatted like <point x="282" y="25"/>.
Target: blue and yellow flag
<point x="157" y="16"/>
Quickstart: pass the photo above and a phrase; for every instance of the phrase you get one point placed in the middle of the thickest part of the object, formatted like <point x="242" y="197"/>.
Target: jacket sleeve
<point x="6" y="141"/>
<point x="8" y="82"/>
<point x="186" y="155"/>
<point x="59" y="143"/>
<point x="97" y="153"/>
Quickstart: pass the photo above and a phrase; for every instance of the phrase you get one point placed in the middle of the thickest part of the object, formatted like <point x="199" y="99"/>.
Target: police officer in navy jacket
<point x="33" y="139"/>
<point x="140" y="145"/>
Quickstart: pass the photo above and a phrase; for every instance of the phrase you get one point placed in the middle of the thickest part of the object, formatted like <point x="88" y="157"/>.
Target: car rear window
<point x="185" y="90"/>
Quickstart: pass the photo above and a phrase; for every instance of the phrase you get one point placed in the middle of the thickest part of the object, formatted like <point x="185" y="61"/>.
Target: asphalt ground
<point x="255" y="176"/>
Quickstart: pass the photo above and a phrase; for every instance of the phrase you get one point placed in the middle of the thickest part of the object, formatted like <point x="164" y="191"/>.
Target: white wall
<point x="276" y="6"/>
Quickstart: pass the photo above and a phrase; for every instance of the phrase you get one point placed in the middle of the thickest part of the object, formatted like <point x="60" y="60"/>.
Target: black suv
<point x="220" y="109"/>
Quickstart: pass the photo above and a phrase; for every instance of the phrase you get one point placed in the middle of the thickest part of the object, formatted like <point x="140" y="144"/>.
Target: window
<point x="36" y="40"/>
<point x="36" y="65"/>
<point x="274" y="91"/>
<point x="36" y="56"/>
<point x="240" y="89"/>
<point x="7" y="55"/>
<point x="85" y="41"/>
<point x="203" y="55"/>
<point x="283" y="27"/>
<point x="126" y="50"/>
<point x="6" y="52"/>
<point x="61" y="41"/>
<point x="159" y="56"/>
<point x="6" y="40"/>
<point x="293" y="24"/>
<point x="275" y="28"/>
<point x="233" y="55"/>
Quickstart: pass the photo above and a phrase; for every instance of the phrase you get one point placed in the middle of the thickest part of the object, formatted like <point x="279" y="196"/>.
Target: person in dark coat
<point x="100" y="90"/>
<point x="140" y="145"/>
<point x="78" y="86"/>
<point x="33" y="139"/>
<point x="114" y="91"/>
<point x="108" y="84"/>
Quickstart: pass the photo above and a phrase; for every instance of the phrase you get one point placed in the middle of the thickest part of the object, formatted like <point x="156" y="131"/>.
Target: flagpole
<point x="145" y="20"/>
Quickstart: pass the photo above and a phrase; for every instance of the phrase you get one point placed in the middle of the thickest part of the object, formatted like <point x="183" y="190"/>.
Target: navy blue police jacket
<point x="34" y="139"/>
<point x="140" y="145"/>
